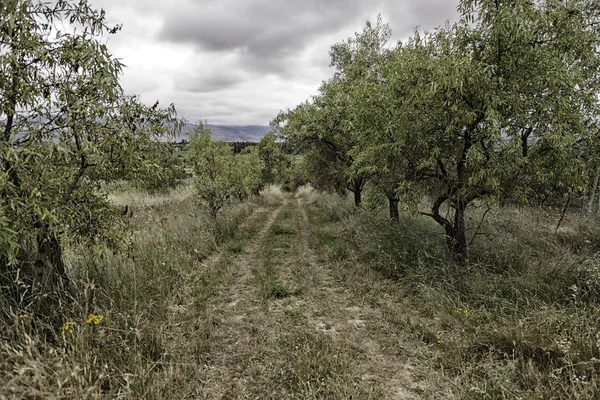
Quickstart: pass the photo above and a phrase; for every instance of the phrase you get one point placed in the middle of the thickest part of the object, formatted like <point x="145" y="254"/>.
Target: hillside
<point x="229" y="133"/>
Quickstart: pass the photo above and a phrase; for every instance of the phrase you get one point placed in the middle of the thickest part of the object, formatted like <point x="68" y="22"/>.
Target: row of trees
<point x="501" y="105"/>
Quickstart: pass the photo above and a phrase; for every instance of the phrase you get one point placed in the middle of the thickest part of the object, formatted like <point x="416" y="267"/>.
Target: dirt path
<point x="348" y="318"/>
<point x="236" y="308"/>
<point x="285" y="328"/>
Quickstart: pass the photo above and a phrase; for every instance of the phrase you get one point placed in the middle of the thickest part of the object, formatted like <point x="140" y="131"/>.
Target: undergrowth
<point x="112" y="333"/>
<point x="520" y="320"/>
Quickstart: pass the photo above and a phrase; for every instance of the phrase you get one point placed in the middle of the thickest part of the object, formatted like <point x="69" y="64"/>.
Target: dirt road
<point x="283" y="327"/>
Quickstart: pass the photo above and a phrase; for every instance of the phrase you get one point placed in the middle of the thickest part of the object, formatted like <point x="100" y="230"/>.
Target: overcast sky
<point x="240" y="61"/>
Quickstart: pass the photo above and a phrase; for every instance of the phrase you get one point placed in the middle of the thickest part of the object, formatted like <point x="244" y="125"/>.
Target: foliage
<point x="68" y="129"/>
<point x="221" y="176"/>
<point x="238" y="147"/>
<point x="501" y="105"/>
<point x="163" y="168"/>
<point x="213" y="164"/>
<point x="493" y="107"/>
<point x="295" y="176"/>
<point x="320" y="130"/>
<point x="276" y="162"/>
<point x="361" y="64"/>
<point x="249" y="172"/>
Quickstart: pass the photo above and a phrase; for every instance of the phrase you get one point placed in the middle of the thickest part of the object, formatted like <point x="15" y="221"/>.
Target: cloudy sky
<point x="240" y="61"/>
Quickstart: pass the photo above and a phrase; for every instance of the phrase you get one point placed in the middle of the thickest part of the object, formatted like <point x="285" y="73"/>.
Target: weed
<point x="133" y="324"/>
<point x="517" y="321"/>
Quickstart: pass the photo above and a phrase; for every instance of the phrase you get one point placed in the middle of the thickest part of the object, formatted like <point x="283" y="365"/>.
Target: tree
<point x="275" y="161"/>
<point x="319" y="130"/>
<point x="361" y="64"/>
<point x="162" y="168"/>
<point x="68" y="128"/>
<point x="248" y="177"/>
<point x="214" y="169"/>
<point x="495" y="103"/>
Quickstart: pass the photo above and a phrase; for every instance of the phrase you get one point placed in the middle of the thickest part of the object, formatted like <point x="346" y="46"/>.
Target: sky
<point x="238" y="62"/>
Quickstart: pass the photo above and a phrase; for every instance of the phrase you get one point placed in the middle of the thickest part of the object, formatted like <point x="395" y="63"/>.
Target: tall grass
<point x="272" y="194"/>
<point x="120" y="331"/>
<point x="519" y="321"/>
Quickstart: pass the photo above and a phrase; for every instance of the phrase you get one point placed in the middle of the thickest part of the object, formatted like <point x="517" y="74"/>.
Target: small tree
<point x="162" y="168"/>
<point x="248" y="173"/>
<point x="275" y="161"/>
<point x="67" y="129"/>
<point x="214" y="169"/>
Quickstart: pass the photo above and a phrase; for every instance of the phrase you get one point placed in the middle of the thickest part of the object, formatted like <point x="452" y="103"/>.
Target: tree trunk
<point x="49" y="268"/>
<point x="358" y="197"/>
<point x="457" y="241"/>
<point x="592" y="195"/>
<point x="393" y="203"/>
<point x="456" y="232"/>
<point x="356" y="186"/>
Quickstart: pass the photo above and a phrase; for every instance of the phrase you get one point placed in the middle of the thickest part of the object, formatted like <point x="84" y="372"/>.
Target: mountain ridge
<point x="228" y="133"/>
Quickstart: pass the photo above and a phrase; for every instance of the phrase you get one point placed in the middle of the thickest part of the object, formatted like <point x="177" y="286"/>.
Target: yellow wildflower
<point x="67" y="327"/>
<point x="93" y="319"/>
<point x="464" y="312"/>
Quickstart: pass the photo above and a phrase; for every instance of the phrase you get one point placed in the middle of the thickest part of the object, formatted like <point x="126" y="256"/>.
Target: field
<point x="302" y="296"/>
<point x="426" y="225"/>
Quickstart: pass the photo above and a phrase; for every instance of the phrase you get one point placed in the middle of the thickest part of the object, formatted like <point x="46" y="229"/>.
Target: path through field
<point x="284" y="327"/>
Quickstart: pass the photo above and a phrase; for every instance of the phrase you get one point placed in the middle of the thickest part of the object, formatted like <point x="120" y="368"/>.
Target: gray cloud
<point x="209" y="84"/>
<point x="208" y="81"/>
<point x="265" y="28"/>
<point x="268" y="35"/>
<point x="240" y="61"/>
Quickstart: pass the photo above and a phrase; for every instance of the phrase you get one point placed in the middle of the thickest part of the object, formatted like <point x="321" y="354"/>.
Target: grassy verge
<point x="136" y="324"/>
<point x="519" y="321"/>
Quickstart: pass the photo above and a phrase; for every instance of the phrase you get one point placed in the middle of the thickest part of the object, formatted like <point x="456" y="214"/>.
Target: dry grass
<point x="272" y="195"/>
<point x="133" y="324"/>
<point x="307" y="297"/>
<point x="142" y="198"/>
<point x="520" y="321"/>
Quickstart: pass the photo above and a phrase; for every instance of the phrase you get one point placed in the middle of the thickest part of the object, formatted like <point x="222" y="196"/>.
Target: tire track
<point x="236" y="309"/>
<point x="348" y="320"/>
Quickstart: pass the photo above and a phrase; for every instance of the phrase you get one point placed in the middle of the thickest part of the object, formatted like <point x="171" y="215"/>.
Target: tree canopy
<point x="495" y="106"/>
<point x="68" y="129"/>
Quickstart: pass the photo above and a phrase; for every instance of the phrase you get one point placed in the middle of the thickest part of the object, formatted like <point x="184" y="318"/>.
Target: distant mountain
<point x="229" y="133"/>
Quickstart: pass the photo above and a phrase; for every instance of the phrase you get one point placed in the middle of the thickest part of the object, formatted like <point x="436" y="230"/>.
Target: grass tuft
<point x="518" y="321"/>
